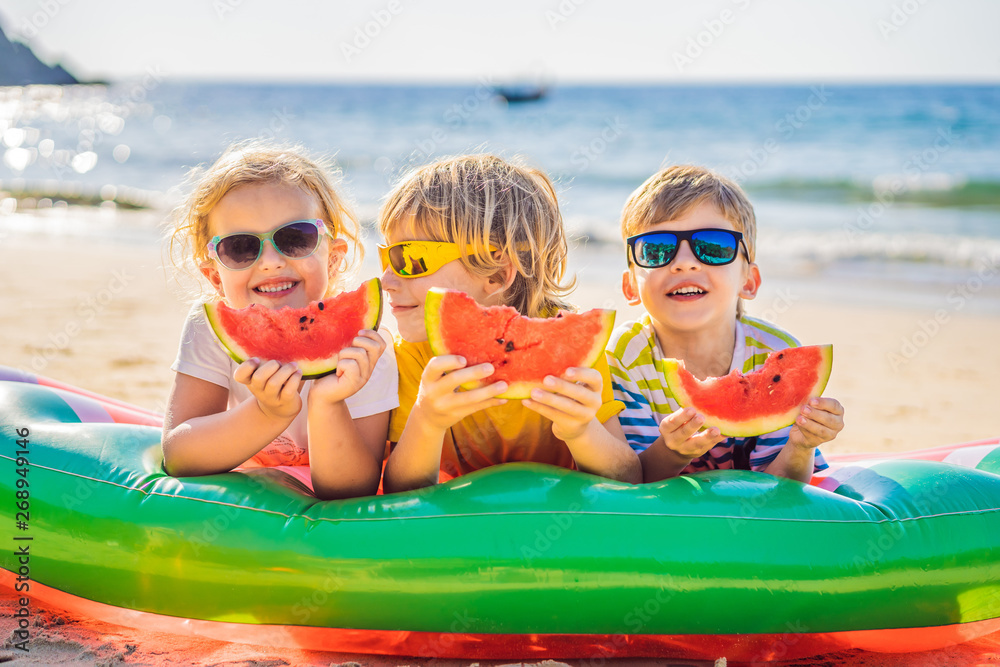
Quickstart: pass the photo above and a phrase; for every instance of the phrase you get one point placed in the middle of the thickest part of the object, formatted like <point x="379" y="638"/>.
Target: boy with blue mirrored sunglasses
<point x="690" y="237"/>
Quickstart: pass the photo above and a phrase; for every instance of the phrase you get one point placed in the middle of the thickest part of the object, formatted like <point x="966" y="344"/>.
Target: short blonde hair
<point x="257" y="162"/>
<point x="672" y="191"/>
<point x="481" y="200"/>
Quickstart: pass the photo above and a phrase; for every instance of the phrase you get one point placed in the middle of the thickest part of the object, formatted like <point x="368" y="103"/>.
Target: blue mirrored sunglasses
<point x="714" y="247"/>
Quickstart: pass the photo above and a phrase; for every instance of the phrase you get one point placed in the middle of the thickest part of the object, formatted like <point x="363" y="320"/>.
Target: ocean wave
<point x="938" y="189"/>
<point x="947" y="250"/>
<point x="27" y="194"/>
<point x="827" y="247"/>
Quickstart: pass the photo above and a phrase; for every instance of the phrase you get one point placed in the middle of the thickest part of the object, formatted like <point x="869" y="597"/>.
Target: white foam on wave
<point x="895" y="184"/>
<point x="826" y="247"/>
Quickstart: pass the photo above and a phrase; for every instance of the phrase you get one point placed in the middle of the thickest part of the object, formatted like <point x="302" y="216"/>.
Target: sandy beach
<point x="106" y="316"/>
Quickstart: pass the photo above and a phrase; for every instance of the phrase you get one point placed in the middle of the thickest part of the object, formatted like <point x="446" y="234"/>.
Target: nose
<point x="270" y="258"/>
<point x="685" y="259"/>
<point x="390" y="281"/>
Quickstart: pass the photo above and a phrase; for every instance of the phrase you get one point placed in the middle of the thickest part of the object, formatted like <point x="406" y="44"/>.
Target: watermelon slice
<point x="523" y="350"/>
<point x="763" y="401"/>
<point x="312" y="336"/>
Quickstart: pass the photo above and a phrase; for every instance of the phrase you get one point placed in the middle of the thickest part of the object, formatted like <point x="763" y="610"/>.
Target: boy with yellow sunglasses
<point x="493" y="230"/>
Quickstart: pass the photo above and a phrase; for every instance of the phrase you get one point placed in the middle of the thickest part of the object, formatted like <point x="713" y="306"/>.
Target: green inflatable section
<point x="517" y="548"/>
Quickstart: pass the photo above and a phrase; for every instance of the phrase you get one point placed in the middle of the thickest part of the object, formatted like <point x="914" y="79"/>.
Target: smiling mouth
<point x="274" y="288"/>
<point x="687" y="291"/>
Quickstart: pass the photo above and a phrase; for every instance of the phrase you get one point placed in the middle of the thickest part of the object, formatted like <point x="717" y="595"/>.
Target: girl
<point x="491" y="229"/>
<point x="265" y="226"/>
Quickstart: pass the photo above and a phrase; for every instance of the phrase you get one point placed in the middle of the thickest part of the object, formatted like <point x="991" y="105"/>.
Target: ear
<point x="629" y="288"/>
<point x="502" y="279"/>
<point x="338" y="250"/>
<point x="212" y="274"/>
<point x="751" y="282"/>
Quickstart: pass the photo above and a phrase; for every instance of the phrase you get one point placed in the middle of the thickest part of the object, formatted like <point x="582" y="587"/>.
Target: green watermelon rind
<point x="673" y="370"/>
<point x="313" y="369"/>
<point x="433" y="305"/>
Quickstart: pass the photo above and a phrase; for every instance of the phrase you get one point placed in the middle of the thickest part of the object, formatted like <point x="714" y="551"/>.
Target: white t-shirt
<point x="201" y="355"/>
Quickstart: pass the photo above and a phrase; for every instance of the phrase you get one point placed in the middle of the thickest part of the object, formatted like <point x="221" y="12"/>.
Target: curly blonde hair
<point x="672" y="191"/>
<point x="481" y="200"/>
<point x="257" y="162"/>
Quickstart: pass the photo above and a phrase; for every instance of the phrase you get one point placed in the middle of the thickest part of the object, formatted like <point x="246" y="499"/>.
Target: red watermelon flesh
<point x="523" y="350"/>
<point x="312" y="336"/>
<point x="763" y="401"/>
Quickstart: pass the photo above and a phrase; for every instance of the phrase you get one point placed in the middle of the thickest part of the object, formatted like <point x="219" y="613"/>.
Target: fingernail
<point x="814" y="401"/>
<point x="806" y="410"/>
<point x="549" y="381"/>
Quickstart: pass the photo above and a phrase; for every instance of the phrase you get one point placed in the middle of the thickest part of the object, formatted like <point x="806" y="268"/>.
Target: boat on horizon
<point x="521" y="93"/>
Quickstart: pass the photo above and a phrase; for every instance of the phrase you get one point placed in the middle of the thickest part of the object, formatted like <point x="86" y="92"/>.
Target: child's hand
<point x="274" y="385"/>
<point x="820" y="421"/>
<point x="682" y="437"/>
<point x="438" y="400"/>
<point x="354" y="367"/>
<point x="571" y="402"/>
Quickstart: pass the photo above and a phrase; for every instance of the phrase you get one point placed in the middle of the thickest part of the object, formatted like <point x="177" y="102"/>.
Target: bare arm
<point x="660" y="462"/>
<point x="345" y="454"/>
<point x="348" y="462"/>
<point x="572" y="403"/>
<point x="416" y="459"/>
<point x="679" y="443"/>
<point x="202" y="437"/>
<point x="602" y="450"/>
<point x="820" y="421"/>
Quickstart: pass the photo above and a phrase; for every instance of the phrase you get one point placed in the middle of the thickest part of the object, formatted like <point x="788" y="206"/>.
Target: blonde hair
<point x="671" y="192"/>
<point x="481" y="200"/>
<point x="257" y="162"/>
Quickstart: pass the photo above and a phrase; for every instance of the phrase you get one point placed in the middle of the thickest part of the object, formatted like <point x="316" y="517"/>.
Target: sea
<point x="860" y="185"/>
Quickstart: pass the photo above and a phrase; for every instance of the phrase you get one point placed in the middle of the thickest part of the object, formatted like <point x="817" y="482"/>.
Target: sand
<point x="912" y="368"/>
<point x="107" y="317"/>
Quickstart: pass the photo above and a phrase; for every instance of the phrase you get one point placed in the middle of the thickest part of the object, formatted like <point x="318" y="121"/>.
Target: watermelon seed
<point x="320" y="305"/>
<point x="311" y="320"/>
<point x="500" y="340"/>
<point x="302" y="319"/>
<point x="509" y="347"/>
<point x="776" y="378"/>
<point x="302" y="328"/>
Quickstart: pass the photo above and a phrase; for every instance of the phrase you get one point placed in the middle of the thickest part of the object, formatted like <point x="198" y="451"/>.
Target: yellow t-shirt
<point x="506" y="433"/>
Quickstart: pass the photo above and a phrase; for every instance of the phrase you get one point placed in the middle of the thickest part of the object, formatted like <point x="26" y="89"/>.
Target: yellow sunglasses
<point x="410" y="259"/>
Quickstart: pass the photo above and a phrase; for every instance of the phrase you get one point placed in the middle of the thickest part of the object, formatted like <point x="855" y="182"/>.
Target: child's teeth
<point x="274" y="288"/>
<point x="688" y="290"/>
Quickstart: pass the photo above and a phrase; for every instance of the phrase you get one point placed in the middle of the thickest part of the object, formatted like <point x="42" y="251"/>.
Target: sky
<point x="566" y="41"/>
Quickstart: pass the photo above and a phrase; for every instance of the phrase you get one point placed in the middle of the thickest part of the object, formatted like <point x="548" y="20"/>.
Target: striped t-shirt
<point x="636" y="363"/>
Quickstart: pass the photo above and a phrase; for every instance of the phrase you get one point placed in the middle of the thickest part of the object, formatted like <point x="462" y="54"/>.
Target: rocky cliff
<point x="20" y="67"/>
